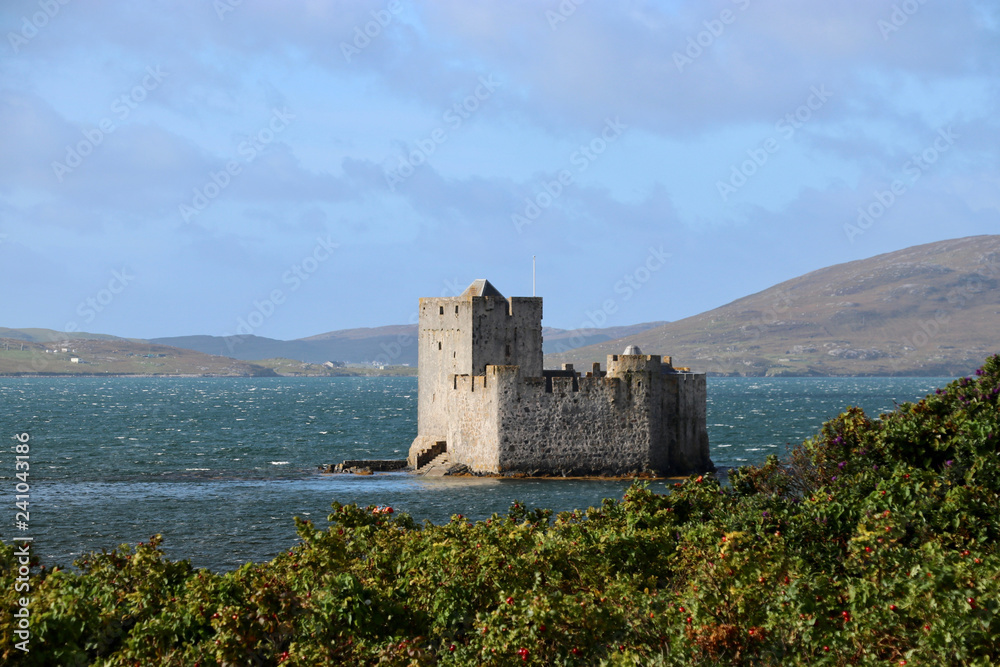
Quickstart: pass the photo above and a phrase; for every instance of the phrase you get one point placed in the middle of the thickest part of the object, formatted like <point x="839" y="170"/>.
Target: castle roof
<point x="482" y="287"/>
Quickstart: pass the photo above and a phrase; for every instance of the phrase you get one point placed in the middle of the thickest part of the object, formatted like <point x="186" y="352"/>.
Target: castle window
<point x="456" y="310"/>
<point x="441" y="311"/>
<point x="508" y="350"/>
<point x="439" y="345"/>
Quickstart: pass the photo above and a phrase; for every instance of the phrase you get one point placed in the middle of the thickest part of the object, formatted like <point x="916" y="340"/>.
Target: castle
<point x="485" y="401"/>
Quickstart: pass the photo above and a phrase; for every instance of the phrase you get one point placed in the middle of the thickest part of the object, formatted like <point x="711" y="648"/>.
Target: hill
<point x="927" y="310"/>
<point x="50" y="335"/>
<point x="114" y="356"/>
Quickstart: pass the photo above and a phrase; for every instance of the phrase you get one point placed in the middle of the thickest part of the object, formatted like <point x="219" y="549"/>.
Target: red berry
<point x="892" y="607"/>
<point x="510" y="600"/>
<point x="451" y="648"/>
<point x="542" y="628"/>
<point x="826" y="648"/>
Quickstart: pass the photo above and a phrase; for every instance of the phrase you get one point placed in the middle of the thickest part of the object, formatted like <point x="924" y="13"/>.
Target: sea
<point x="220" y="466"/>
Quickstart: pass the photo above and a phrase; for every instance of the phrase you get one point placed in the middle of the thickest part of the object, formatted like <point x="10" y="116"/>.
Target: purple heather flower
<point x="764" y="512"/>
<point x="833" y="479"/>
<point x="875" y="467"/>
<point x="948" y="463"/>
<point x="842" y="464"/>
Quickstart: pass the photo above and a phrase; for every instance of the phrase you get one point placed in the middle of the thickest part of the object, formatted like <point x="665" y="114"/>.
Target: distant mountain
<point x="555" y="341"/>
<point x="391" y="345"/>
<point x="932" y="309"/>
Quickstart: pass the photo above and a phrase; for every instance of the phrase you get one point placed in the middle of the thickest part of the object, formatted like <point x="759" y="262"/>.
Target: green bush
<point x="873" y="543"/>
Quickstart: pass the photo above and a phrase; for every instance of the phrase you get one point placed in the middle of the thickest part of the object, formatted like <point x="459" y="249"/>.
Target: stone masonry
<point x="485" y="400"/>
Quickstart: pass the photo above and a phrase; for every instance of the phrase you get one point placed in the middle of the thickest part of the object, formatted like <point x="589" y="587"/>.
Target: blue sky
<point x="183" y="167"/>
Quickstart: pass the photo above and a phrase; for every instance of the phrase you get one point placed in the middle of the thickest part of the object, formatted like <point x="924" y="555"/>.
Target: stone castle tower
<point x="485" y="401"/>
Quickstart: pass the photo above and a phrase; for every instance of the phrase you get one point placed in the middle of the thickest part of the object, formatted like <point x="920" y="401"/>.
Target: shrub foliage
<point x="874" y="541"/>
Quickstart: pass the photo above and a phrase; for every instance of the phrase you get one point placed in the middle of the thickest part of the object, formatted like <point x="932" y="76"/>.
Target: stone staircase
<point x="428" y="454"/>
<point x="436" y="467"/>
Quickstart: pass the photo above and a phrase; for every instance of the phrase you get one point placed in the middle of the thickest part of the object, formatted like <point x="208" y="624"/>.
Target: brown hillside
<point x="932" y="309"/>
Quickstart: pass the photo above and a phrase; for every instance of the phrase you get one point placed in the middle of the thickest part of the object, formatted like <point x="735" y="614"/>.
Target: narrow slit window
<point x="441" y="311"/>
<point x="456" y="310"/>
<point x="439" y="345"/>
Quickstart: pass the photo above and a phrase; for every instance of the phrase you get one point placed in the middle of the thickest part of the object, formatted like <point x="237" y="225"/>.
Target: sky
<point x="290" y="168"/>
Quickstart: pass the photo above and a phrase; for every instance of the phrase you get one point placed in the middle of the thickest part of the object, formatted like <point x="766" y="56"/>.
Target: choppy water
<point x="220" y="466"/>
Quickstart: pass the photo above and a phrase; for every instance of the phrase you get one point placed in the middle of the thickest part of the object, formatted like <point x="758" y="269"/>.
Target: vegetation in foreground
<point x="874" y="543"/>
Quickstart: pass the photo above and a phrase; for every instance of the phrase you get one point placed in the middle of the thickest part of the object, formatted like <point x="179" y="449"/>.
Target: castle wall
<point x="444" y="349"/>
<point x="472" y="421"/>
<point x="604" y="428"/>
<point x="638" y="421"/>
<point x="507" y="332"/>
<point x="685" y="421"/>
